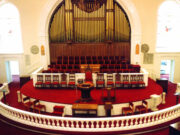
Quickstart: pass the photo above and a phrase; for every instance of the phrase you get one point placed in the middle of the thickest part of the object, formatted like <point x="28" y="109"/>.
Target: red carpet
<point x="6" y="129"/>
<point x="69" y="96"/>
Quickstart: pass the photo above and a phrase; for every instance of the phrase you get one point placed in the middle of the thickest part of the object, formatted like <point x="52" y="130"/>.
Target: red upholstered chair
<point x="128" y="110"/>
<point x="38" y="107"/>
<point x="110" y="82"/>
<point x="28" y="104"/>
<point x="140" y="80"/>
<point x="118" y="82"/>
<point x="39" y="83"/>
<point x="63" y="68"/>
<point x="88" y="76"/>
<point x="125" y="79"/>
<point x="55" y="82"/>
<point x="100" y="83"/>
<point x="63" y="82"/>
<point x="142" y="108"/>
<point x="72" y="79"/>
<point x="133" y="81"/>
<point x="58" y="110"/>
<point x="47" y="82"/>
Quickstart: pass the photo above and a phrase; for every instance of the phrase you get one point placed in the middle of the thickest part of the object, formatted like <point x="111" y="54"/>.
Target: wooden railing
<point x="105" y="124"/>
<point x="82" y="75"/>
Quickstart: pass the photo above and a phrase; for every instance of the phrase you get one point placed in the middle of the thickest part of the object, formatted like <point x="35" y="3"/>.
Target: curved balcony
<point x="105" y="124"/>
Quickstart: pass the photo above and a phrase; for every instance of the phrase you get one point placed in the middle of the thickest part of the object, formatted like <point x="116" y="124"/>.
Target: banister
<point x="91" y="124"/>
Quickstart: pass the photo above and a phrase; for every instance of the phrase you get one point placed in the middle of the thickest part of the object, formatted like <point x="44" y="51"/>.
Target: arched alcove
<point x="128" y="7"/>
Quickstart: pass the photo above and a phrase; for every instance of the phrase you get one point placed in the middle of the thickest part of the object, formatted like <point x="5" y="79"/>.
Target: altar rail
<point x="105" y="124"/>
<point x="82" y="76"/>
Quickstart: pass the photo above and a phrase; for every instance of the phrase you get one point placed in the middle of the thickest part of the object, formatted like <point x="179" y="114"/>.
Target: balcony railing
<point x="105" y="124"/>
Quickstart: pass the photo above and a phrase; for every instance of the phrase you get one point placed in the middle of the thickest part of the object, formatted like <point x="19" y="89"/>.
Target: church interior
<point x="89" y="67"/>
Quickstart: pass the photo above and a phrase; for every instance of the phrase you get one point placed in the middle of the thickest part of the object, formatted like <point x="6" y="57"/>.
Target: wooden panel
<point x="100" y="49"/>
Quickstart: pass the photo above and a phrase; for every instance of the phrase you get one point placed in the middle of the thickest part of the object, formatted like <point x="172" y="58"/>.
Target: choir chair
<point x="47" y="82"/>
<point x="63" y="82"/>
<point x="55" y="82"/>
<point x="140" y="80"/>
<point x="133" y="81"/>
<point x="39" y="83"/>
<point x="100" y="83"/>
<point x="72" y="79"/>
<point x="125" y="79"/>
<point x="110" y="82"/>
<point x="118" y="82"/>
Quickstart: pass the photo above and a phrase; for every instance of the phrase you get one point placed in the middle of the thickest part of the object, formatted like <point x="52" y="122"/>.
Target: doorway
<point x="12" y="71"/>
<point x="167" y="70"/>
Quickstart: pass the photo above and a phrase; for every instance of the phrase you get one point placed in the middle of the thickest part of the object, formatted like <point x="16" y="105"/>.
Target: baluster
<point x="53" y="123"/>
<point x="117" y="123"/>
<point x="40" y="120"/>
<point x="44" y="121"/>
<point x="97" y="124"/>
<point x="136" y="121"/>
<point x="122" y="123"/>
<point x="87" y="124"/>
<point x="82" y="123"/>
<point x="72" y="124"/>
<point x="36" y="119"/>
<point x="112" y="124"/>
<point x="102" y="125"/>
<point x="68" y="124"/>
<point x="92" y="124"/>
<point x="49" y="123"/>
<point x="126" y="123"/>
<point x="149" y="120"/>
<point x="28" y="118"/>
<point x="131" y="123"/>
<point x="62" y="123"/>
<point x="107" y="123"/>
<point x="58" y="123"/>
<point x="145" y="119"/>
<point x="77" y="124"/>
<point x="140" y="121"/>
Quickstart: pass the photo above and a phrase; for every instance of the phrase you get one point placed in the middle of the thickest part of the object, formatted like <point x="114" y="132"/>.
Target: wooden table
<point x="95" y="68"/>
<point x="81" y="109"/>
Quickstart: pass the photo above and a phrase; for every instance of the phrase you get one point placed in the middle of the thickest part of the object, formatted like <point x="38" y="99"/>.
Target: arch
<point x="10" y="34"/>
<point x="128" y="7"/>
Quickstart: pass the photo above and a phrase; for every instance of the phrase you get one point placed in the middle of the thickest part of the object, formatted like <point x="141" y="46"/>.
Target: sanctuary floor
<point x="69" y="96"/>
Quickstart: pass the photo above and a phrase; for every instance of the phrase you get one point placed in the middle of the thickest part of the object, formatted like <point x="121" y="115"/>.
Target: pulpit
<point x="85" y="90"/>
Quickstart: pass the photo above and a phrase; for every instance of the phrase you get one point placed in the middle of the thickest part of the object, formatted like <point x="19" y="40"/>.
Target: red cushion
<point x="88" y="76"/>
<point x="118" y="82"/>
<point x="126" y="82"/>
<point x="134" y="82"/>
<point x="39" y="83"/>
<point x="63" y="82"/>
<point x="47" y="82"/>
<point x="100" y="82"/>
<point x="73" y="83"/>
<point x="55" y="83"/>
<point x="109" y="82"/>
